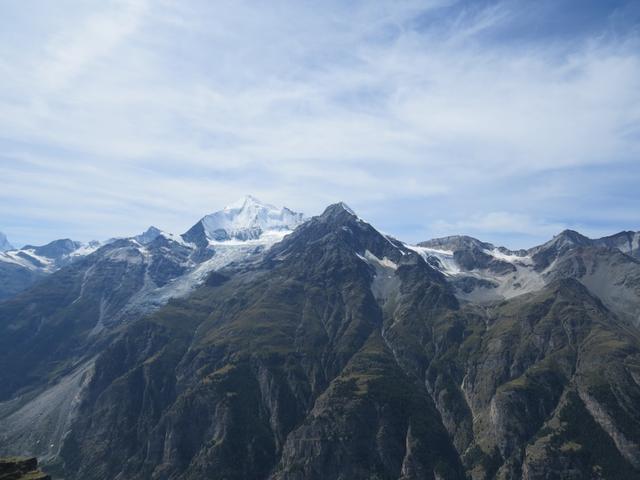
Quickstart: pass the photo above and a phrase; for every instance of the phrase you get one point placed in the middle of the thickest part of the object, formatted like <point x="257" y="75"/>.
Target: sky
<point x="506" y="120"/>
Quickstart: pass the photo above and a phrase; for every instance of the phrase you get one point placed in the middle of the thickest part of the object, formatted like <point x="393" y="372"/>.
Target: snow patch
<point x="371" y="259"/>
<point x="266" y="238"/>
<point x="86" y="249"/>
<point x="151" y="297"/>
<point x="510" y="257"/>
<point x="445" y="258"/>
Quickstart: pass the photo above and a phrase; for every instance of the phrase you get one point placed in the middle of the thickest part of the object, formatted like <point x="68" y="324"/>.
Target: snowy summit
<point x="248" y="219"/>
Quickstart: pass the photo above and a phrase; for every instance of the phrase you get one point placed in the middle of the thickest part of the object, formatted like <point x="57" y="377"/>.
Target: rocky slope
<point x="51" y="333"/>
<point x="609" y="267"/>
<point x="264" y="365"/>
<point x="337" y="353"/>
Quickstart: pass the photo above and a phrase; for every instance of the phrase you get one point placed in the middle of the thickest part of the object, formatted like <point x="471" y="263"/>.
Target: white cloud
<point x="138" y="114"/>
<point x="501" y="223"/>
<point x="71" y="51"/>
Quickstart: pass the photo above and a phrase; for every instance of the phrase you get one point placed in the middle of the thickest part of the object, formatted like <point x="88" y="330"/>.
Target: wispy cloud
<point x="500" y="223"/>
<point x="70" y="52"/>
<point x="419" y="114"/>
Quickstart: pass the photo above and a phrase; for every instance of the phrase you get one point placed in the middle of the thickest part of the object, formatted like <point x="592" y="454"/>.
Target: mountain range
<point x="263" y="345"/>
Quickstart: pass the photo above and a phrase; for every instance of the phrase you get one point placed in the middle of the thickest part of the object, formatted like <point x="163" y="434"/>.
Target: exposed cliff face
<point x="373" y="421"/>
<point x="518" y="371"/>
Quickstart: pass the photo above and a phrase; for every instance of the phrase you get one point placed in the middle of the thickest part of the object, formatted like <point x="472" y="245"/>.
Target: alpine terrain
<point x="263" y="345"/>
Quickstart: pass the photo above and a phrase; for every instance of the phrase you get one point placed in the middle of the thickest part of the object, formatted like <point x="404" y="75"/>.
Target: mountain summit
<point x="246" y="219"/>
<point x="4" y="243"/>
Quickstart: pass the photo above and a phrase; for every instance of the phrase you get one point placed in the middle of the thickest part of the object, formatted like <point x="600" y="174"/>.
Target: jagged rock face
<point x="499" y="375"/>
<point x="197" y="235"/>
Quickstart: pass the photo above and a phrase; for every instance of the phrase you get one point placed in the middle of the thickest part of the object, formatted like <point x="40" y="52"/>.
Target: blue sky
<point x="507" y="120"/>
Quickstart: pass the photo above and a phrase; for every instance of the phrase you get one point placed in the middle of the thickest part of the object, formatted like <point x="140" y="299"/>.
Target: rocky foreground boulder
<point x="15" y="468"/>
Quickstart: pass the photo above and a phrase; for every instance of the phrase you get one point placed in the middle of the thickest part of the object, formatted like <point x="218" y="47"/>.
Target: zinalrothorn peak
<point x="4" y="243"/>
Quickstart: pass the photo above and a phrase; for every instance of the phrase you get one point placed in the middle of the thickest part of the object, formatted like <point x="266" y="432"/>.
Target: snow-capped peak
<point x="4" y="243"/>
<point x="248" y="219"/>
<point x="247" y="201"/>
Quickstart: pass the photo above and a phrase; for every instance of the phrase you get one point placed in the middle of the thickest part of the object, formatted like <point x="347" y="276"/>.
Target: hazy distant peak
<point x="4" y="243"/>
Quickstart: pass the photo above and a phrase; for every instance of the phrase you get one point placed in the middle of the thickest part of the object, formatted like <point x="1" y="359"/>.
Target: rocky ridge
<point x="339" y="352"/>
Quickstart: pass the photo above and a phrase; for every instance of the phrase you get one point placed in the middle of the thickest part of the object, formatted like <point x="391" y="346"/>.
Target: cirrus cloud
<point x="420" y="114"/>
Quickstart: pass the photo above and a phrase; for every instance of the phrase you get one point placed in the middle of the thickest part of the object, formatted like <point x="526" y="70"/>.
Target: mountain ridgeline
<point x="259" y="345"/>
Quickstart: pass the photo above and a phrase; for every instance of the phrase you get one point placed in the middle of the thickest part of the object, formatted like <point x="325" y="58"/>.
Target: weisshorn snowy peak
<point x="262" y="345"/>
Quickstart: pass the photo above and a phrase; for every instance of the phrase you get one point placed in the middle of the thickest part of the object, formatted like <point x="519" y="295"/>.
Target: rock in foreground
<point x="15" y="468"/>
